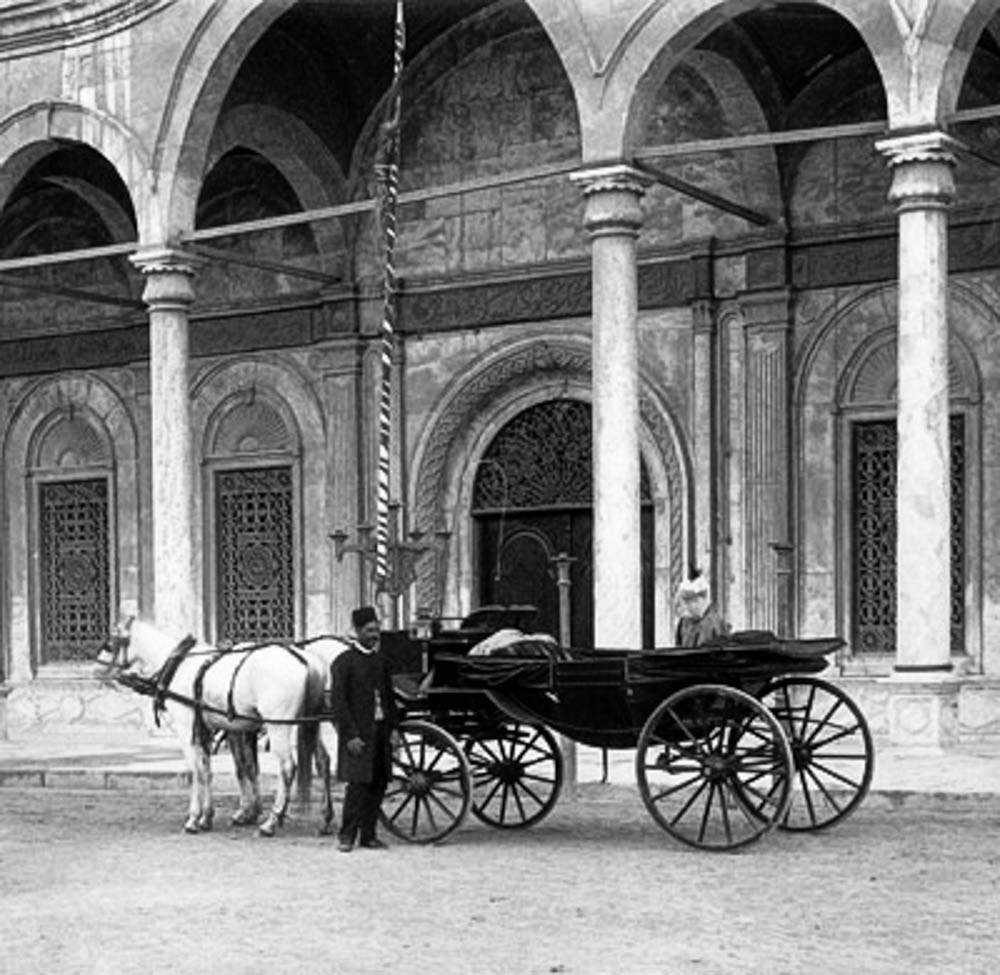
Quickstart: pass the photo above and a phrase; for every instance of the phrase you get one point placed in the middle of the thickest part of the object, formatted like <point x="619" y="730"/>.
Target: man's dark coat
<point x="355" y="675"/>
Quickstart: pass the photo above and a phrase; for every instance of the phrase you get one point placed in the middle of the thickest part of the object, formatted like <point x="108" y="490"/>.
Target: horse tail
<point x="306" y="740"/>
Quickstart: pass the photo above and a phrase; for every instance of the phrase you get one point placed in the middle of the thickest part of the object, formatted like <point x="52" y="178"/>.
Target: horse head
<point x="113" y="654"/>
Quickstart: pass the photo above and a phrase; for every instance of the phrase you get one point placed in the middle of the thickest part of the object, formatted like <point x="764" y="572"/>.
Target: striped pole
<point x="387" y="188"/>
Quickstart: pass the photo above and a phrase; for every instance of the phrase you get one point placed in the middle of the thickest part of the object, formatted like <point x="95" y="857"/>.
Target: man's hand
<point x="395" y="739"/>
<point x="356" y="746"/>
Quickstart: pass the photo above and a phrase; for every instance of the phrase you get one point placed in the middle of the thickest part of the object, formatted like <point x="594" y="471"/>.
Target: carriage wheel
<point x="832" y="750"/>
<point x="430" y="788"/>
<point x="517" y="772"/>
<point x="713" y="767"/>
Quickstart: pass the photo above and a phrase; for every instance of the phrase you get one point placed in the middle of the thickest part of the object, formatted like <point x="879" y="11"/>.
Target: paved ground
<point x="98" y="879"/>
<point x="102" y="758"/>
<point x="104" y="883"/>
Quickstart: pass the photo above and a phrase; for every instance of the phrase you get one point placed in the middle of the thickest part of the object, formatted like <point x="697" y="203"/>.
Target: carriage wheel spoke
<point x="663" y="793"/>
<point x="725" y="816"/>
<point x="833" y="773"/>
<point x="441" y="805"/>
<point x="399" y="809"/>
<point x="819" y="724"/>
<point x="687" y="805"/>
<point x="531" y="792"/>
<point x="699" y="747"/>
<point x="706" y="812"/>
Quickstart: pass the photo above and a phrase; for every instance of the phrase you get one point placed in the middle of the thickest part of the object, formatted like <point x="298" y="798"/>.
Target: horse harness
<point x="158" y="685"/>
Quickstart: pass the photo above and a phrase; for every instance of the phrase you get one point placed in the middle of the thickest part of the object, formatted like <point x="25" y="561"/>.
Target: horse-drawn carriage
<point x="730" y="740"/>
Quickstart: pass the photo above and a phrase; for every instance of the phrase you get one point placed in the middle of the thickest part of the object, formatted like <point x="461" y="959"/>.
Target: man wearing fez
<point x="364" y="712"/>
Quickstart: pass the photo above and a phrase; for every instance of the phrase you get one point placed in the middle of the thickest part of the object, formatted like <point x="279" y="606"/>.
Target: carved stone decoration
<point x="527" y="299"/>
<point x="32" y="27"/>
<point x="530" y="364"/>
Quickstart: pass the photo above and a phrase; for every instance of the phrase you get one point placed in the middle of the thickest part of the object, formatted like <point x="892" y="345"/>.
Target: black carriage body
<point x="731" y="740"/>
<point x="603" y="698"/>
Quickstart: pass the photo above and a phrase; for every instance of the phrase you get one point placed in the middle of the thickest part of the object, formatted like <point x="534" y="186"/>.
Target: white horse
<point x="273" y="686"/>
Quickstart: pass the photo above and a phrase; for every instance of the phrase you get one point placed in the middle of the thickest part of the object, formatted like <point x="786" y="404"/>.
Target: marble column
<point x="703" y="438"/>
<point x="613" y="217"/>
<point x="922" y="190"/>
<point x="767" y="470"/>
<point x="168" y="293"/>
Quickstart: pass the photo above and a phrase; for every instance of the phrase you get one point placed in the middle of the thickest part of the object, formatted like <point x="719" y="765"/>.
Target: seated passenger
<point x="700" y="622"/>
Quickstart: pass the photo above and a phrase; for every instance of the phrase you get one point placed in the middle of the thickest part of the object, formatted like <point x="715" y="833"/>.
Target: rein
<point x="158" y="685"/>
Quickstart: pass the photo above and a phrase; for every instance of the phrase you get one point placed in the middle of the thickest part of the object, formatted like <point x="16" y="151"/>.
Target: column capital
<point x="169" y="274"/>
<point x="703" y="316"/>
<point x="922" y="165"/>
<point x="612" y="192"/>
<point x="766" y="310"/>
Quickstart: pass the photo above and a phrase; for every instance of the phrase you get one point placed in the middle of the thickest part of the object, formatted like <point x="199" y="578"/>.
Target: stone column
<point x="922" y="189"/>
<point x="703" y="438"/>
<point x="767" y="470"/>
<point x="169" y="293"/>
<point x="613" y="216"/>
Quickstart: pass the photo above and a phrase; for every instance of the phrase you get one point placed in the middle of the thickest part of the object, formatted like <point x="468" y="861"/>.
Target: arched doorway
<point x="532" y="500"/>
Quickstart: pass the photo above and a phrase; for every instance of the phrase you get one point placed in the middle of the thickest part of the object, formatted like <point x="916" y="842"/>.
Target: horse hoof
<point x="245" y="819"/>
<point x="266" y="829"/>
<point x="191" y="827"/>
<point x="325" y="830"/>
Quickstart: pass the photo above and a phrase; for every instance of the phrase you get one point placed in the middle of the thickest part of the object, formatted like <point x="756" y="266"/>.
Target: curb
<point x="139" y="781"/>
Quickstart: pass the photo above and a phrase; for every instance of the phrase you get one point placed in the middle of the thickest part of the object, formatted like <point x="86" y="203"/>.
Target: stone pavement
<point x="105" y="758"/>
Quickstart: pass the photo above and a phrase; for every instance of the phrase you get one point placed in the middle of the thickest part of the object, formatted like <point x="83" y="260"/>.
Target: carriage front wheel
<point x="832" y="750"/>
<point x="517" y="771"/>
<point x="713" y="766"/>
<point x="430" y="787"/>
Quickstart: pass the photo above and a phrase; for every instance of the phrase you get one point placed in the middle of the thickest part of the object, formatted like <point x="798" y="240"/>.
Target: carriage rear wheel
<point x="713" y="767"/>
<point x="517" y="772"/>
<point x="832" y="750"/>
<point x="430" y="787"/>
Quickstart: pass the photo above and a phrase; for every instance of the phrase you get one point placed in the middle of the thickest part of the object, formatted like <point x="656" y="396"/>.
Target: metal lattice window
<point x="542" y="458"/>
<point x="254" y="554"/>
<point x="874" y="452"/>
<point x="74" y="572"/>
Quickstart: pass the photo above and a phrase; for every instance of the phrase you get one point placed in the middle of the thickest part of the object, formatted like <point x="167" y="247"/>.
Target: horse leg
<point x="245" y="763"/>
<point x="204" y="759"/>
<point x="323" y="768"/>
<point x="281" y="747"/>
<point x="196" y="768"/>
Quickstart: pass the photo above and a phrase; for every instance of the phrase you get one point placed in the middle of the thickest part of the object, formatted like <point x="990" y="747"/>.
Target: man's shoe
<point x="345" y="847"/>
<point x="373" y="844"/>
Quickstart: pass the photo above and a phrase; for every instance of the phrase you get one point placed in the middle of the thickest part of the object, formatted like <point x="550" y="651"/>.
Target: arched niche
<point x="846" y="375"/>
<point x="477" y="406"/>
<point x="259" y="414"/>
<point x="64" y="429"/>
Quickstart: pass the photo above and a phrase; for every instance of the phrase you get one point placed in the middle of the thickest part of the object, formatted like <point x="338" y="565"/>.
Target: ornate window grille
<point x="874" y="451"/>
<point x="254" y="548"/>
<point x="74" y="576"/>
<point x="542" y="458"/>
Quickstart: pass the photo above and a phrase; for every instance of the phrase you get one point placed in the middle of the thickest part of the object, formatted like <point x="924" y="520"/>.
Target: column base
<point x="922" y="712"/>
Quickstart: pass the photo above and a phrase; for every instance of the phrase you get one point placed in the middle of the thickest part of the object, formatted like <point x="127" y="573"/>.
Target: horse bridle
<point x="113" y="653"/>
